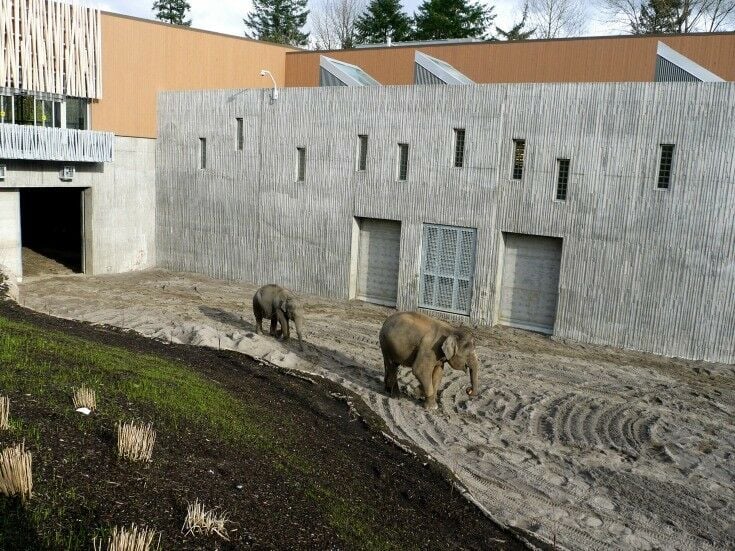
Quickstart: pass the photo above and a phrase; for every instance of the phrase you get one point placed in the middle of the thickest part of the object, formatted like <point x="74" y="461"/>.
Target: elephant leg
<point x="436" y="377"/>
<point x="258" y="313"/>
<point x="424" y="374"/>
<point x="391" y="378"/>
<point x="274" y="326"/>
<point x="283" y="320"/>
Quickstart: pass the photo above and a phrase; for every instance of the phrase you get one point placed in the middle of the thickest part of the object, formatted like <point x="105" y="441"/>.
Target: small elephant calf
<point x="280" y="306"/>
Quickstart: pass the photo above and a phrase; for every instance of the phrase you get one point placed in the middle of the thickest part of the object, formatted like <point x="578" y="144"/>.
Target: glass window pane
<point x="24" y="110"/>
<point x="76" y="113"/>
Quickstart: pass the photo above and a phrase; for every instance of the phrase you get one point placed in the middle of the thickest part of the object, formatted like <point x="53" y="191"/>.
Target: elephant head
<point x="459" y="352"/>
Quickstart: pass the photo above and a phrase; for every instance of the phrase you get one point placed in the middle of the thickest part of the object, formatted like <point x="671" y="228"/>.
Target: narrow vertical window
<point x="362" y="152"/>
<point x="458" y="147"/>
<point x="301" y="171"/>
<point x="202" y="153"/>
<point x="664" y="169"/>
<point x="402" y="161"/>
<point x="519" y="155"/>
<point x="562" y="179"/>
<point x="240" y="135"/>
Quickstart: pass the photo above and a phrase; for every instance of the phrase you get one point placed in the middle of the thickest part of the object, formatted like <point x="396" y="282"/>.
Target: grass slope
<point x="81" y="489"/>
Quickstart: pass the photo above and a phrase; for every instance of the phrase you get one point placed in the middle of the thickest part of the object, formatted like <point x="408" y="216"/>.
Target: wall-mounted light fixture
<point x="274" y="92"/>
<point x="66" y="174"/>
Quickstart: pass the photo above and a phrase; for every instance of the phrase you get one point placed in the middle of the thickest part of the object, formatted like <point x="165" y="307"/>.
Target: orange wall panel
<point x="141" y="58"/>
<point x="614" y="59"/>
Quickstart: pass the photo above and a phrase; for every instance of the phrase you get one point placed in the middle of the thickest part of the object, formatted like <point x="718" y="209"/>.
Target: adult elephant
<point x="424" y="344"/>
<point x="280" y="306"/>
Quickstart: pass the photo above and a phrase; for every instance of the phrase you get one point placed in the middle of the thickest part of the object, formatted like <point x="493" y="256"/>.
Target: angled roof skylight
<point x="339" y="73"/>
<point x="430" y="70"/>
<point x="691" y="70"/>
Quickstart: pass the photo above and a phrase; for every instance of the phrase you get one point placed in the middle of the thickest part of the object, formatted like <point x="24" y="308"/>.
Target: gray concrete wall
<point x="10" y="232"/>
<point x="642" y="268"/>
<point x="119" y="206"/>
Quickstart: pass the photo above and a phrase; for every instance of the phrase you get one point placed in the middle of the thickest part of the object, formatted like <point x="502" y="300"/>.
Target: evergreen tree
<point x="440" y="19"/>
<point x="663" y="17"/>
<point x="279" y="21"/>
<point x="172" y="11"/>
<point x="517" y="31"/>
<point x="383" y="19"/>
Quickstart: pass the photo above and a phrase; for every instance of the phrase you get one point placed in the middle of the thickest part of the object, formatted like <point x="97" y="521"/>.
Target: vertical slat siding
<point x="56" y="144"/>
<point x="51" y="47"/>
<point x="641" y="268"/>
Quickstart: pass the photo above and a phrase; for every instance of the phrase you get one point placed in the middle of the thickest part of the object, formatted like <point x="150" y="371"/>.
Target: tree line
<point x="337" y="24"/>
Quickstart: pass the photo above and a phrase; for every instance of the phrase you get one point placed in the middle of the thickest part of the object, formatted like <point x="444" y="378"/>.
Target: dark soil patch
<point x="325" y="478"/>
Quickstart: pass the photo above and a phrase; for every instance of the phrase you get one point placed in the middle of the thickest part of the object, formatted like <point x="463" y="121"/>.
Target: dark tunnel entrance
<point x="52" y="228"/>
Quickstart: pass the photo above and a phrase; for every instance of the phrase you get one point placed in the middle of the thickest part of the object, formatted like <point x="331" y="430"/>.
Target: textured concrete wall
<point x="10" y="232"/>
<point x="641" y="268"/>
<point x="119" y="204"/>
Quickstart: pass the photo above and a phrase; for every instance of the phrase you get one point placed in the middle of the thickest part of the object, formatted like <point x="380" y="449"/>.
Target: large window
<point x="6" y="109"/>
<point x="447" y="268"/>
<point x="25" y="110"/>
<point x="77" y="115"/>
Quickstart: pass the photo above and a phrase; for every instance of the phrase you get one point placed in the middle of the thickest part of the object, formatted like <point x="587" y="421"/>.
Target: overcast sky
<point x="226" y="16"/>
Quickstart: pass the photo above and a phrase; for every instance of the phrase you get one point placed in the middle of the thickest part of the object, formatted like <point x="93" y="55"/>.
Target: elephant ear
<point x="449" y="347"/>
<point x="283" y="304"/>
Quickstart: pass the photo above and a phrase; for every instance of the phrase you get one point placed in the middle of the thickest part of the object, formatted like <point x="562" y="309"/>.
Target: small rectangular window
<point x="240" y="134"/>
<point x="202" y="153"/>
<point x="519" y="155"/>
<point x="301" y="174"/>
<point x="458" y="147"/>
<point x="362" y="152"/>
<point x="402" y="161"/>
<point x="664" y="169"/>
<point x="562" y="179"/>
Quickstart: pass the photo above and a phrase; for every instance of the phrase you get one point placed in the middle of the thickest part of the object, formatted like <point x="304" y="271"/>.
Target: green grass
<point x="48" y="365"/>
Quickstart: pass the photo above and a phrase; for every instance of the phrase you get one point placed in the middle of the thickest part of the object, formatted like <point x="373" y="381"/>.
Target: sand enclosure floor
<point x="594" y="447"/>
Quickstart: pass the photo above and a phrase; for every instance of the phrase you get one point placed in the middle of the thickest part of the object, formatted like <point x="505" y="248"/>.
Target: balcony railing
<point x="37" y="143"/>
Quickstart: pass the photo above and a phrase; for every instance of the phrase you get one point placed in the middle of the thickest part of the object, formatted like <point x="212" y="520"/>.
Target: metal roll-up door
<point x="447" y="268"/>
<point x="378" y="260"/>
<point x="530" y="287"/>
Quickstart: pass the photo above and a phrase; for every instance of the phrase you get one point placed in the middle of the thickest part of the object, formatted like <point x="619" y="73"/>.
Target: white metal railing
<point x="38" y="143"/>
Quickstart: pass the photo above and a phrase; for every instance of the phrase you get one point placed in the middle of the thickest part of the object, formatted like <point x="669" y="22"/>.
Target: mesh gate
<point x="447" y="266"/>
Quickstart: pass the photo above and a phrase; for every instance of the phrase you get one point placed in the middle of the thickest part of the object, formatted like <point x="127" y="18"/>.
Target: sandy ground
<point x="594" y="447"/>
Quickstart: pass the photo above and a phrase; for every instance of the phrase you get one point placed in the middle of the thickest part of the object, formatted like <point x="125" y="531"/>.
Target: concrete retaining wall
<point x="642" y="268"/>
<point x="119" y="206"/>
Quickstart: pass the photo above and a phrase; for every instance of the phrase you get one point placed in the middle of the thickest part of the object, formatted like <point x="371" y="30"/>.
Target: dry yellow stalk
<point x="135" y="442"/>
<point x="4" y="413"/>
<point x="199" y="521"/>
<point x="129" y="539"/>
<point x="85" y="397"/>
<point x="16" y="472"/>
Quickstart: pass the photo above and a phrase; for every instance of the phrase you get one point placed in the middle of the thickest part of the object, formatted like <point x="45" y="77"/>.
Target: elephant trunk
<point x="474" y="365"/>
<point x="298" y="322"/>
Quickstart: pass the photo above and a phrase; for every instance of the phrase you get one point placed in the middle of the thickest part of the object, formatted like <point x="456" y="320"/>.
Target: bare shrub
<point x="135" y="442"/>
<point x="4" y="413"/>
<point x="200" y="521"/>
<point x="129" y="539"/>
<point x="16" y="476"/>
<point x="85" y="397"/>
